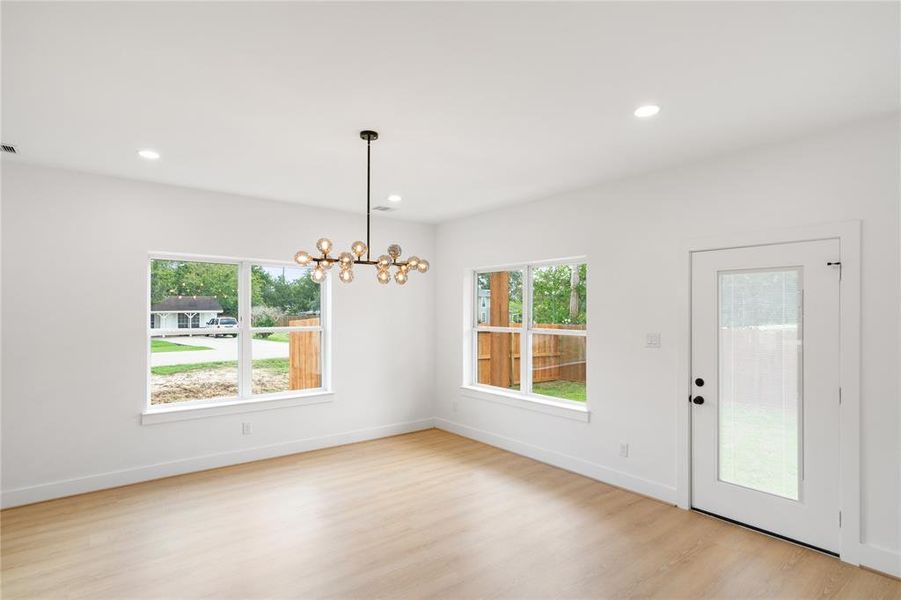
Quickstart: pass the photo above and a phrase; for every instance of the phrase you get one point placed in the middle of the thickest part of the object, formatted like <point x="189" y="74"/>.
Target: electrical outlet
<point x="246" y="428"/>
<point x="624" y="450"/>
<point x="652" y="340"/>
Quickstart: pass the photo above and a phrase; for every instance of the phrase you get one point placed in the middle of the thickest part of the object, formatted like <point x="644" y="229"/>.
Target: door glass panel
<point x="760" y="380"/>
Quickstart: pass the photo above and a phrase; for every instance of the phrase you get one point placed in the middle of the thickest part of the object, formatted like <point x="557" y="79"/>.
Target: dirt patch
<point x="211" y="383"/>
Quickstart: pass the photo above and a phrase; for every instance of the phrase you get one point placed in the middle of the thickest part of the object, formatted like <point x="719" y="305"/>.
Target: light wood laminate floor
<point x="424" y="515"/>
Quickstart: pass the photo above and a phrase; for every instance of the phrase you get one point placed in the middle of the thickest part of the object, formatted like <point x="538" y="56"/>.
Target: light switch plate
<point x="652" y="340"/>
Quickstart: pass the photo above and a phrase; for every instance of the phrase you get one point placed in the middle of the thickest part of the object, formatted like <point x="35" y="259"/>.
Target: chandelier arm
<point x="359" y="261"/>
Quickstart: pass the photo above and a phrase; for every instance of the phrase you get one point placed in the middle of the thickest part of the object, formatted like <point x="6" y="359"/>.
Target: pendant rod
<point x="368" y="145"/>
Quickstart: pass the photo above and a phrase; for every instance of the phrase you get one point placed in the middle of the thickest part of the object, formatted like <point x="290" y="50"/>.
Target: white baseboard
<point x="880" y="559"/>
<point x="91" y="483"/>
<point x="564" y="461"/>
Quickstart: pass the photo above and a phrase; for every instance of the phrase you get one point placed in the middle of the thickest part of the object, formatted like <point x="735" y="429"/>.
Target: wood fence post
<point x="500" y="373"/>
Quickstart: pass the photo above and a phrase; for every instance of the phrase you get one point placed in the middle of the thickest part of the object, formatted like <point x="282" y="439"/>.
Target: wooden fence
<point x="554" y="357"/>
<point x="304" y="356"/>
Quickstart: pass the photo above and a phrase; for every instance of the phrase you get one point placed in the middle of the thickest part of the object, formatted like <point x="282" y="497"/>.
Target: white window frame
<point x="548" y="404"/>
<point x="246" y="400"/>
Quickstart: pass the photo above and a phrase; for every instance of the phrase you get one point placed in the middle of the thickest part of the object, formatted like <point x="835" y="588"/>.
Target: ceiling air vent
<point x="383" y="209"/>
<point x="10" y="148"/>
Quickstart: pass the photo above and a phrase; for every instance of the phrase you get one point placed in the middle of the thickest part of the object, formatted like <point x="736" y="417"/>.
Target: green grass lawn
<point x="279" y="365"/>
<point x="759" y="447"/>
<point x="561" y="388"/>
<point x="568" y="390"/>
<point x="272" y="364"/>
<point x="275" y="337"/>
<point x="165" y="346"/>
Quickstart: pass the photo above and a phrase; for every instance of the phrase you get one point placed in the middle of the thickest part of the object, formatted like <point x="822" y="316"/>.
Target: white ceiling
<point x="478" y="104"/>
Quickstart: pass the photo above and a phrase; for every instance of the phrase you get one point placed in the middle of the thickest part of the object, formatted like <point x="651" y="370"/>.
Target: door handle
<point x="698" y="400"/>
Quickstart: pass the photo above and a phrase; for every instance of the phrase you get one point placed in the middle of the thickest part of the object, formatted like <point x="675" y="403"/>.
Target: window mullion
<point x="245" y="348"/>
<point x="473" y="328"/>
<point x="296" y="329"/>
<point x="325" y="334"/>
<point x="525" y="337"/>
<point x="498" y="329"/>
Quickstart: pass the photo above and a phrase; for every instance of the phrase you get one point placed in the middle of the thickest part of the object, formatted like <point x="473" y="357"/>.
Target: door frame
<point x="848" y="234"/>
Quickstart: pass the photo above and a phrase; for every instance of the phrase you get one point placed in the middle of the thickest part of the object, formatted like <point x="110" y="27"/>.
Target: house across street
<point x="184" y="312"/>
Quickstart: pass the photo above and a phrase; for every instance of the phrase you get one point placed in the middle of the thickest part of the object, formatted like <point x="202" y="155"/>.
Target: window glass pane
<point x="559" y="296"/>
<point x="760" y="379"/>
<point x="282" y="296"/>
<point x="287" y="361"/>
<point x="499" y="298"/>
<point x="186" y="367"/>
<point x="187" y="294"/>
<point x="558" y="366"/>
<point x="498" y="359"/>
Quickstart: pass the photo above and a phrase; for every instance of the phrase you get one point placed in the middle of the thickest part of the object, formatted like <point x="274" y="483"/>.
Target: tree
<point x="283" y="295"/>
<point x="175" y="278"/>
<point x="574" y="303"/>
<point x="294" y="296"/>
<point x="559" y="294"/>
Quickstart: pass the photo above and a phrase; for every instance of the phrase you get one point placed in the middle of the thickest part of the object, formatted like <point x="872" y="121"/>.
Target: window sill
<point x="540" y="404"/>
<point x="174" y="412"/>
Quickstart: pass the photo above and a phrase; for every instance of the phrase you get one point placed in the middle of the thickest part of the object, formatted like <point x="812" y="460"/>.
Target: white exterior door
<point x="765" y="375"/>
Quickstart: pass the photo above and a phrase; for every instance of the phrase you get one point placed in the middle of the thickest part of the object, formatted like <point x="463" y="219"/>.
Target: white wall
<point x="74" y="253"/>
<point x="632" y="232"/>
<point x="76" y="244"/>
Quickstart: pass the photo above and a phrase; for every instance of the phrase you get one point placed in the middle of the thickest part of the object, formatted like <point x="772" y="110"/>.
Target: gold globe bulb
<point x="324" y="245"/>
<point x="384" y="261"/>
<point x="346" y="275"/>
<point x="413" y="262"/>
<point x="423" y="266"/>
<point x="358" y="248"/>
<point x="317" y="274"/>
<point x="394" y="251"/>
<point x="400" y="277"/>
<point x="383" y="276"/>
<point x="303" y="258"/>
<point x="346" y="258"/>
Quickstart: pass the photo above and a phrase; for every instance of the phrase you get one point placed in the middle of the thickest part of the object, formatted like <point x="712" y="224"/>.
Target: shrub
<point x="264" y="320"/>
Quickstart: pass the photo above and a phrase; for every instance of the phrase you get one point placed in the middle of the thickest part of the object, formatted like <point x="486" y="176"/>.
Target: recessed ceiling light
<point x="149" y="154"/>
<point x="394" y="198"/>
<point x="648" y="110"/>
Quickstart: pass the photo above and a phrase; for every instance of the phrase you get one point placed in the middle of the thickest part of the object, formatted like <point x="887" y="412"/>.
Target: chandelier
<point x="347" y="260"/>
